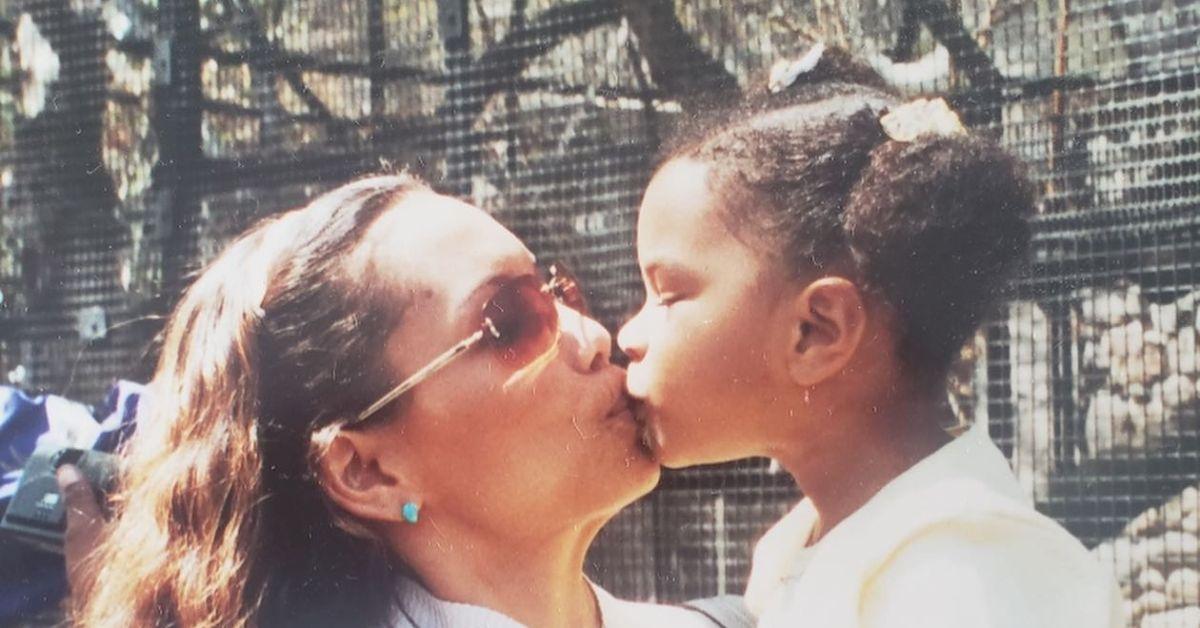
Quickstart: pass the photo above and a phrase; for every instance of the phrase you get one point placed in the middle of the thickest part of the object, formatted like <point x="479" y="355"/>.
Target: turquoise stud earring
<point x="410" y="511"/>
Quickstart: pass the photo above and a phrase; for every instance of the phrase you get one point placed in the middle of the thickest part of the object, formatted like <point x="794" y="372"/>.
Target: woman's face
<point x="485" y="441"/>
<point x="703" y="348"/>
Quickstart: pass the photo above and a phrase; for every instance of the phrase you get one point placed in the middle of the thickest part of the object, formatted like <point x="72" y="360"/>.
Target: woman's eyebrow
<point x="492" y="282"/>
<point x="504" y="271"/>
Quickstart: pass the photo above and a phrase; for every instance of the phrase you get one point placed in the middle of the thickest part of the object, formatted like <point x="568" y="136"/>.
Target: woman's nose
<point x="632" y="338"/>
<point x="593" y="342"/>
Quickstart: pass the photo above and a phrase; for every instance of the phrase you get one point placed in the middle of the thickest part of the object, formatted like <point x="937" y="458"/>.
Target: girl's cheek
<point x="657" y="326"/>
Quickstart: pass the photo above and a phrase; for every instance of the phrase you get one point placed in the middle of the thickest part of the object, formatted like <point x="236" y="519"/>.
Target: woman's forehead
<point x="440" y="243"/>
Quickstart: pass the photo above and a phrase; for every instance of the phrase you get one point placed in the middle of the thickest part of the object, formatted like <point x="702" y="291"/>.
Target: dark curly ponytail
<point x="937" y="225"/>
<point x="934" y="225"/>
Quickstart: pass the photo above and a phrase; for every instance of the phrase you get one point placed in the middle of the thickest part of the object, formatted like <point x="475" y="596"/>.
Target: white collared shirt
<point x="951" y="542"/>
<point x="419" y="608"/>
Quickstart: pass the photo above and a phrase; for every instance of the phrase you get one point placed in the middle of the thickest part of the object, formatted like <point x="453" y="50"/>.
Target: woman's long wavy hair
<point x="221" y="520"/>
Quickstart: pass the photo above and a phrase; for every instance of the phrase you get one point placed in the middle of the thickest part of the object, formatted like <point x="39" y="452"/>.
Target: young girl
<point x="812" y="269"/>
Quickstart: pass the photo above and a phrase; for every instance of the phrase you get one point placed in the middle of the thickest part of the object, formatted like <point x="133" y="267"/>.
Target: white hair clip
<point x="785" y="72"/>
<point x="921" y="117"/>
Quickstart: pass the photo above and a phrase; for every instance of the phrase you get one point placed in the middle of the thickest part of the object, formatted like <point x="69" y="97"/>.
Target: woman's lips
<point x="622" y="405"/>
<point x="629" y="411"/>
<point x="623" y="412"/>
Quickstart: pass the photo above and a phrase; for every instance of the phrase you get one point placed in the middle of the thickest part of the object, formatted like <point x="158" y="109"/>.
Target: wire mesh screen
<point x="137" y="136"/>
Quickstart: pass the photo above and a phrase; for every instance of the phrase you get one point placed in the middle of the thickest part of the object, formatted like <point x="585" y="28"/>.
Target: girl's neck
<point x="536" y="582"/>
<point x="842" y="468"/>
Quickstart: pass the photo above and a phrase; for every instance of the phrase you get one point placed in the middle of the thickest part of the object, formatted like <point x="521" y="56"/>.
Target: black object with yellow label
<point x="37" y="512"/>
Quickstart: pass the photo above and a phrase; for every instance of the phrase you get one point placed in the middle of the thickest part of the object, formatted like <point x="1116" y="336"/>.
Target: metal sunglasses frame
<point x="561" y="285"/>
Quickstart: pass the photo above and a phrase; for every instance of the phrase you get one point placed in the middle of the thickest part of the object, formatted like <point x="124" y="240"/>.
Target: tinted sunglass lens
<point x="566" y="288"/>
<point x="522" y="319"/>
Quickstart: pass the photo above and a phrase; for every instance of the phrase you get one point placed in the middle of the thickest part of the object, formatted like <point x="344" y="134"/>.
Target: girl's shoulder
<point x="991" y="570"/>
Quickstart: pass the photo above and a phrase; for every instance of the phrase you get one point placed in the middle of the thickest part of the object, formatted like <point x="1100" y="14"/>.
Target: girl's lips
<point x="634" y="413"/>
<point x="649" y="436"/>
<point x="639" y="412"/>
<point x="635" y="410"/>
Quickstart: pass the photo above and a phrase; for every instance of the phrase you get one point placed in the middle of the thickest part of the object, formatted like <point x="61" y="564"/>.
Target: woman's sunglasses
<point x="520" y="322"/>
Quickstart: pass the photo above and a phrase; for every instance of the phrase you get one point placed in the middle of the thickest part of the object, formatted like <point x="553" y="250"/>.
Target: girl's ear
<point x="359" y="481"/>
<point x="827" y="321"/>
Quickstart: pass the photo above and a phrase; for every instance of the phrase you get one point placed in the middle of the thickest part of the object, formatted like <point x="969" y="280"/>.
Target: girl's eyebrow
<point x="668" y="267"/>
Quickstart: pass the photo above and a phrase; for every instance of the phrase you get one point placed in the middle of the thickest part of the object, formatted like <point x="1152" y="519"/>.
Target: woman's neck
<point x="538" y="582"/>
<point x="842" y="468"/>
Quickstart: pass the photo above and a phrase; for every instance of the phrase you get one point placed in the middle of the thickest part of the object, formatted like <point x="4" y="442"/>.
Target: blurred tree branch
<point x="644" y="88"/>
<point x="947" y="28"/>
<point x="491" y="72"/>
<point x="678" y="65"/>
<point x="260" y="44"/>
<point x="908" y="33"/>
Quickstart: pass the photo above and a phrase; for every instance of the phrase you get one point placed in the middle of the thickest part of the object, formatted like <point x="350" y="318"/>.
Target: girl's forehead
<point x="680" y="211"/>
<point x="683" y="225"/>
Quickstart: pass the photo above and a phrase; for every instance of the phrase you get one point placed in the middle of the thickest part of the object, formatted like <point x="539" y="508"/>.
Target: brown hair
<point x="220" y="519"/>
<point x="935" y="226"/>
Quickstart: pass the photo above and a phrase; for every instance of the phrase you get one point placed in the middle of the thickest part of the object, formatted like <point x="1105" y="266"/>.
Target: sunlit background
<point x="137" y="136"/>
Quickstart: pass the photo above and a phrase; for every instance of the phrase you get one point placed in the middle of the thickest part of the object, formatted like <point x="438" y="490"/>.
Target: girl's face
<point x="705" y="348"/>
<point x="501" y="446"/>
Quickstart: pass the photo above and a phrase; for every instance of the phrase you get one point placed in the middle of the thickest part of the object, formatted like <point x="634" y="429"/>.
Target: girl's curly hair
<point x="934" y="226"/>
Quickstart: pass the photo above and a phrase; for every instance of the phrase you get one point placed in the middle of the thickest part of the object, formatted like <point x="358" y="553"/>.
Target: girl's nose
<point x="632" y="337"/>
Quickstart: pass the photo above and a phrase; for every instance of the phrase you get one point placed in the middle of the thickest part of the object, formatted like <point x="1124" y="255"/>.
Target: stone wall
<point x="1138" y="366"/>
<point x="1155" y="559"/>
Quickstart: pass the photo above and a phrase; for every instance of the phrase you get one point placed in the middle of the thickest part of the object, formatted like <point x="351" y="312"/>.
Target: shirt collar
<point x="417" y="607"/>
<point x="778" y="557"/>
<point x="971" y="455"/>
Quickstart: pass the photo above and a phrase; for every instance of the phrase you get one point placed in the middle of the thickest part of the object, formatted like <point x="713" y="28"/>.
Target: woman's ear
<point x="359" y="481"/>
<point x="827" y="321"/>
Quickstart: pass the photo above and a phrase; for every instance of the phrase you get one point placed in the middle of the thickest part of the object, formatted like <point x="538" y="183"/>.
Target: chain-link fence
<point x="137" y="136"/>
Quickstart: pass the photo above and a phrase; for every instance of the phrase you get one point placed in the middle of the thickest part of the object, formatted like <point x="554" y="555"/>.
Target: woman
<point x="371" y="411"/>
<point x="804" y="302"/>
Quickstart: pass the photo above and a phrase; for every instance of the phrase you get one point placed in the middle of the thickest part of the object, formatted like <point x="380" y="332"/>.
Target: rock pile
<point x="1030" y="377"/>
<point x="1137" y="369"/>
<point x="1156" y="560"/>
<point x="1134" y="367"/>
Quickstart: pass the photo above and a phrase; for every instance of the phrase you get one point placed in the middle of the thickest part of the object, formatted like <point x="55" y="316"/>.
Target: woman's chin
<point x="647" y="478"/>
<point x="642" y="461"/>
<point x="633" y="477"/>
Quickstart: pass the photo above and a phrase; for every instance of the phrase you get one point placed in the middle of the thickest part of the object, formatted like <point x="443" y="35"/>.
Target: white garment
<point x="418" y="608"/>
<point x="951" y="542"/>
<point x="617" y="613"/>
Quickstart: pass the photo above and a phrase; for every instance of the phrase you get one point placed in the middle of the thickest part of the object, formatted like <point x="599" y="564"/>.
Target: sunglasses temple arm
<point x="436" y="365"/>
